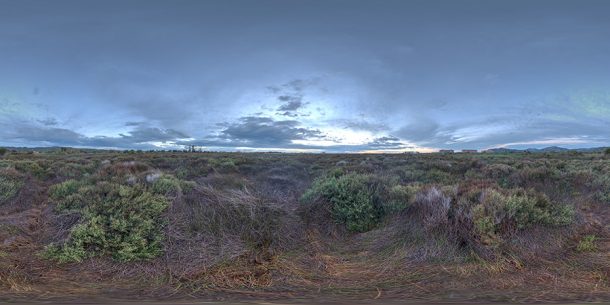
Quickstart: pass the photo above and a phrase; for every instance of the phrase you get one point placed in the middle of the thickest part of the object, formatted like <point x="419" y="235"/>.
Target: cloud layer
<point x="319" y="76"/>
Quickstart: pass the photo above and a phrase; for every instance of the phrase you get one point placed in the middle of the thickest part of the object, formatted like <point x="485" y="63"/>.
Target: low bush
<point x="118" y="220"/>
<point x="62" y="190"/>
<point x="224" y="164"/>
<point x="166" y="185"/>
<point x="431" y="207"/>
<point x="587" y="244"/>
<point x="11" y="183"/>
<point x="398" y="197"/>
<point x="31" y="167"/>
<point x="529" y="208"/>
<point x="484" y="216"/>
<point x="354" y="199"/>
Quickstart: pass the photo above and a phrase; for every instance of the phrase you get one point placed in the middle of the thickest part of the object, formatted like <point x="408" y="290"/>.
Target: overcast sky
<point x="300" y="75"/>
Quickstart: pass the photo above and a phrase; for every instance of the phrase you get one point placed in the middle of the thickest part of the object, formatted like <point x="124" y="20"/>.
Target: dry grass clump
<point x="11" y="182"/>
<point x="219" y="227"/>
<point x="483" y="218"/>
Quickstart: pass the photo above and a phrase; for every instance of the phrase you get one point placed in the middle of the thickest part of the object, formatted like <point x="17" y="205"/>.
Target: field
<point x="175" y="225"/>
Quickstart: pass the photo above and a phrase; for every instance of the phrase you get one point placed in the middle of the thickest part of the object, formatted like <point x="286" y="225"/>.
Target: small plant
<point x="10" y="184"/>
<point x="117" y="220"/>
<point x="587" y="244"/>
<point x="528" y="208"/>
<point x="31" y="167"/>
<point x="166" y="185"/>
<point x="399" y="197"/>
<point x="64" y="189"/>
<point x="353" y="198"/>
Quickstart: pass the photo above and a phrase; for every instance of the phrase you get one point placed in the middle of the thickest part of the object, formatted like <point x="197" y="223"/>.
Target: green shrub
<point x="398" y="197"/>
<point x="64" y="189"/>
<point x="3" y="151"/>
<point x="353" y="198"/>
<point x="166" y="185"/>
<point x="117" y="220"/>
<point x="529" y="208"/>
<point x="587" y="244"/>
<point x="31" y="167"/>
<point x="10" y="184"/>
<point x="224" y="164"/>
<point x="607" y="152"/>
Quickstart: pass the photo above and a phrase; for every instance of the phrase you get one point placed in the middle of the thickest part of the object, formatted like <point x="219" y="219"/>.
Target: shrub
<point x="353" y="198"/>
<point x="432" y="208"/>
<point x="587" y="244"/>
<point x="482" y="216"/>
<point x="117" y="220"/>
<point x="64" y="189"/>
<point x="10" y="184"/>
<point x="398" y="197"/>
<point x="166" y="185"/>
<point x="30" y="167"/>
<point x="3" y="151"/>
<point x="530" y="208"/>
<point x="607" y="152"/>
<point x="224" y="164"/>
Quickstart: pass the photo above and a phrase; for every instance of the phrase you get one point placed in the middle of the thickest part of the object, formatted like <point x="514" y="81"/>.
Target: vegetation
<point x="197" y="222"/>
<point x="587" y="244"/>
<point x="354" y="199"/>
<point x="10" y="184"/>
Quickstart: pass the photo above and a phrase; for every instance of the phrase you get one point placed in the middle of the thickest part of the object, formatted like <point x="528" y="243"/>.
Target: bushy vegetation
<point x="123" y="220"/>
<point x="587" y="244"/>
<point x="354" y="199"/>
<point x="244" y="221"/>
<point x="10" y="184"/>
<point x="118" y="220"/>
<point x="31" y="167"/>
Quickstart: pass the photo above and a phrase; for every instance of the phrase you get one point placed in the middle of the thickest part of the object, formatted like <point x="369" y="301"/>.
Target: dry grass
<point x="241" y="232"/>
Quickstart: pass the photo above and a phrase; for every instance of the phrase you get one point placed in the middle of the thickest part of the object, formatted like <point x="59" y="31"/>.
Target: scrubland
<point x="176" y="225"/>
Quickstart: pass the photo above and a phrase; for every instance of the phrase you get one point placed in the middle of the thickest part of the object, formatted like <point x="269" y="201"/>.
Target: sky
<point x="305" y="76"/>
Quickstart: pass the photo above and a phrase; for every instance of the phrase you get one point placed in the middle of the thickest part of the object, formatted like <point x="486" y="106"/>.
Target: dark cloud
<point x="525" y="131"/>
<point x="48" y="121"/>
<point x="265" y="131"/>
<point x="139" y="137"/>
<point x="388" y="142"/>
<point x="134" y="123"/>
<point x="293" y="104"/>
<point x="361" y="125"/>
<point x="421" y="130"/>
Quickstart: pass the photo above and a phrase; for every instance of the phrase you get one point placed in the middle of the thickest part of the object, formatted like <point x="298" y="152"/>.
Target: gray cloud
<point x="456" y="74"/>
<point x="293" y="103"/>
<point x="360" y="125"/>
<point x="265" y="131"/>
<point x="422" y="130"/>
<point x="48" y="121"/>
<point x="26" y="132"/>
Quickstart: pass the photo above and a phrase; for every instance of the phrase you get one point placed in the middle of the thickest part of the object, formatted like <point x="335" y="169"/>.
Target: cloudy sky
<point x="297" y="75"/>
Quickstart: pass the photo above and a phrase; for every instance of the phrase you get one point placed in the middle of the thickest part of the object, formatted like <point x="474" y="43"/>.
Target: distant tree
<point x="2" y="151"/>
<point x="607" y="151"/>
